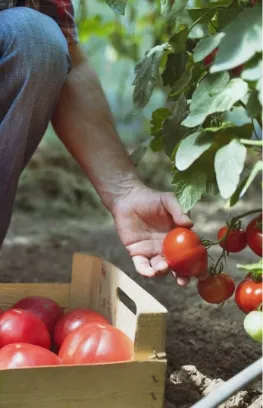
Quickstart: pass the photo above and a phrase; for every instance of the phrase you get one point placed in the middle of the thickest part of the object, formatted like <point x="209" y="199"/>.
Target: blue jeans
<point x="34" y="63"/>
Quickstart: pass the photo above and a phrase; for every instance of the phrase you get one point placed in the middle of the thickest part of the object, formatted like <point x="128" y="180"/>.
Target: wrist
<point x="115" y="192"/>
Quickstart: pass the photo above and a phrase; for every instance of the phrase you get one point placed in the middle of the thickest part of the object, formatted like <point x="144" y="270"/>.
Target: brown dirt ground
<point x="39" y="247"/>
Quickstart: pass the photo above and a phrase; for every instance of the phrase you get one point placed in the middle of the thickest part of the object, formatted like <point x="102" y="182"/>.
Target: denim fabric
<point x="34" y="63"/>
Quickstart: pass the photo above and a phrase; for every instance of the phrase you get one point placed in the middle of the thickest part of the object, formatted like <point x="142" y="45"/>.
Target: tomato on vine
<point x="210" y="57"/>
<point x="254" y="235"/>
<point x="253" y="323"/>
<point x="235" y="241"/>
<point x="184" y="252"/>
<point x="216" y="288"/>
<point x="248" y="294"/>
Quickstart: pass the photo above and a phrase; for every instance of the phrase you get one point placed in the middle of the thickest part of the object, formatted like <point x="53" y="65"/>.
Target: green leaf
<point x="211" y="187"/>
<point x="259" y="89"/>
<point x="165" y="5"/>
<point x="173" y="132"/>
<point x="178" y="40"/>
<point x="181" y="85"/>
<point x="118" y="6"/>
<point x="229" y="163"/>
<point x="189" y="186"/>
<point x="245" y="184"/>
<point x="206" y="45"/>
<point x="213" y="95"/>
<point x="253" y="105"/>
<point x="146" y="74"/>
<point x="175" y="67"/>
<point x="158" y="118"/>
<point x="242" y="39"/>
<point x="226" y="16"/>
<point x="190" y="149"/>
<point x="253" y="71"/>
<point x="258" y="167"/>
<point x="196" y="13"/>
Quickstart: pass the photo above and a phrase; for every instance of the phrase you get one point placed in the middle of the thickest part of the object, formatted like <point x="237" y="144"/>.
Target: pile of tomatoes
<point x="187" y="255"/>
<point x="36" y="331"/>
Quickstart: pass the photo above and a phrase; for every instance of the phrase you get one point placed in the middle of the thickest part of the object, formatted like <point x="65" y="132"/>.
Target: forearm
<point x="84" y="123"/>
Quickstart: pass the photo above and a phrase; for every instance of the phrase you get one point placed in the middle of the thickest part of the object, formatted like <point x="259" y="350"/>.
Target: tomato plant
<point x="184" y="252"/>
<point x="216" y="288"/>
<point x="248" y="295"/>
<point x="235" y="241"/>
<point x="46" y="309"/>
<point x="19" y="355"/>
<point x="21" y="326"/>
<point x="96" y="343"/>
<point x="254" y="235"/>
<point x="253" y="324"/>
<point x="74" y="319"/>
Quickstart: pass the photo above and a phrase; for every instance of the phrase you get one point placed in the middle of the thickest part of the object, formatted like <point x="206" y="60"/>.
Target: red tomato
<point x="236" y="240"/>
<point x="254" y="235"/>
<point x="96" y="343"/>
<point x="210" y="58"/>
<point x="21" y="326"/>
<point x="216" y="288"/>
<point x="184" y="252"/>
<point x="73" y="320"/>
<point x="44" y="308"/>
<point x="248" y="295"/>
<point x="237" y="70"/>
<point x="20" y="355"/>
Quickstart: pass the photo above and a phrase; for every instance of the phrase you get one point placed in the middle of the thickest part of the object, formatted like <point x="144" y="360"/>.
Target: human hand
<point x="143" y="218"/>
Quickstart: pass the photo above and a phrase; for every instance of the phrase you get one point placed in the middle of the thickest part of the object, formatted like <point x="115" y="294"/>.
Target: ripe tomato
<point x="210" y="58"/>
<point x="216" y="288"/>
<point x="249" y="295"/>
<point x="74" y="319"/>
<point x="20" y="355"/>
<point x="236" y="240"/>
<point x="96" y="343"/>
<point x="253" y="323"/>
<point x="254" y="235"/>
<point x="184" y="252"/>
<point x="21" y="326"/>
<point x="44" y="308"/>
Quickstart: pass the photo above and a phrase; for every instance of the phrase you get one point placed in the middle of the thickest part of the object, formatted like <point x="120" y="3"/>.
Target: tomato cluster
<point x="37" y="332"/>
<point x="237" y="239"/>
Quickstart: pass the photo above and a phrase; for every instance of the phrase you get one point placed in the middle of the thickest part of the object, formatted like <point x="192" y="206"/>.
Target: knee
<point x="35" y="45"/>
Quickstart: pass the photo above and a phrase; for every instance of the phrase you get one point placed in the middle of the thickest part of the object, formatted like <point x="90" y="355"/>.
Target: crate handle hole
<point x="127" y="301"/>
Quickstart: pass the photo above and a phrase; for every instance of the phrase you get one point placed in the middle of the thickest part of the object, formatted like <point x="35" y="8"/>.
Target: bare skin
<point x="85" y="125"/>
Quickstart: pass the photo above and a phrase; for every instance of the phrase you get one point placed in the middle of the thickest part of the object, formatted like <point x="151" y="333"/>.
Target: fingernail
<point x="185" y="219"/>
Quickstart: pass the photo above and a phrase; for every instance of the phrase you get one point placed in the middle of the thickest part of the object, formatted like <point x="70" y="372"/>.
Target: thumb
<point x="173" y="207"/>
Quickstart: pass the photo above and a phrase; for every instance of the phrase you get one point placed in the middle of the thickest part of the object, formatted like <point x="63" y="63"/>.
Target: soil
<point x="39" y="248"/>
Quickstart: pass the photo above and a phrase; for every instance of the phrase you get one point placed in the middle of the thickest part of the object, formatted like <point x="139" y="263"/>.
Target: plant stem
<point x="251" y="142"/>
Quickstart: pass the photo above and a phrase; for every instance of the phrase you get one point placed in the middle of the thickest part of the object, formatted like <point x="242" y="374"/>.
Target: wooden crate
<point x="139" y="383"/>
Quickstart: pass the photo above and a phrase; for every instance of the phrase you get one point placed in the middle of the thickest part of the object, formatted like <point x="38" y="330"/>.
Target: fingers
<point x="150" y="268"/>
<point x="142" y="266"/>
<point x="159" y="265"/>
<point x="172" y="206"/>
<point x="181" y="280"/>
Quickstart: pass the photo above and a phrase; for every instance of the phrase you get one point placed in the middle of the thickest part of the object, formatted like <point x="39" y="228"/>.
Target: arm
<point x="84" y="123"/>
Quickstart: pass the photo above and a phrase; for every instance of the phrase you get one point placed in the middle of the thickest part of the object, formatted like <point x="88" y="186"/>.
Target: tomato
<point x="44" y="308"/>
<point x="254" y="235"/>
<point x="20" y="355"/>
<point x="21" y="326"/>
<point x="236" y="240"/>
<point x="96" y="343"/>
<point x="210" y="58"/>
<point x="248" y="295"/>
<point x="237" y="70"/>
<point x="74" y="319"/>
<point x="216" y="288"/>
<point x="253" y="325"/>
<point x="184" y="252"/>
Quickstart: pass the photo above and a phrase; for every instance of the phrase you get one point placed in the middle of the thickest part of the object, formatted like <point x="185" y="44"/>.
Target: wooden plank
<point x="129" y="385"/>
<point x="12" y="292"/>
